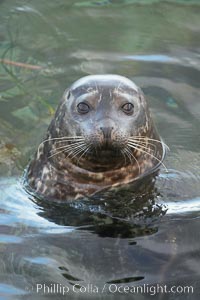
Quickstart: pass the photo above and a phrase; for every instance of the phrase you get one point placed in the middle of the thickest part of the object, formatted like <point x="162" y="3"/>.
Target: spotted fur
<point x="58" y="174"/>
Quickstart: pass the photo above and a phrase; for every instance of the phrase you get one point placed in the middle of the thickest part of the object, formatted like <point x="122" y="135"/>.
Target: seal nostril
<point x="106" y="132"/>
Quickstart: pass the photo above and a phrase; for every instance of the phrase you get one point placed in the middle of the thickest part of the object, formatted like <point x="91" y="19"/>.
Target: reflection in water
<point x="117" y="213"/>
<point x="77" y="245"/>
<point x="152" y="238"/>
<point x="49" y="228"/>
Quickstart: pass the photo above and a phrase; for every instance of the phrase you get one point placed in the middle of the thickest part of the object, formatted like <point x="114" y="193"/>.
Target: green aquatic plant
<point x="16" y="76"/>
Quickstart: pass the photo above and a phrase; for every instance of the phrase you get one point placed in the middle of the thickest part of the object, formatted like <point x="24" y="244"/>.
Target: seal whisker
<point x="150" y="154"/>
<point x="77" y="151"/>
<point x="61" y="139"/>
<point x="62" y="151"/>
<point x="126" y="152"/>
<point x="124" y="155"/>
<point x="70" y="146"/>
<point x="130" y="153"/>
<point x="69" y="140"/>
<point x="139" y="145"/>
<point x="143" y="143"/>
<point x="85" y="151"/>
<point x="55" y="153"/>
<point x="150" y="139"/>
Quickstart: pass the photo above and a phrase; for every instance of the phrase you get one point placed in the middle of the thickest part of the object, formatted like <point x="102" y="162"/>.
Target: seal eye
<point x="83" y="108"/>
<point x="128" y="108"/>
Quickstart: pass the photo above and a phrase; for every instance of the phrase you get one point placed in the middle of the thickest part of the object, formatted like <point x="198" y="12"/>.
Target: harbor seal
<point x="102" y="136"/>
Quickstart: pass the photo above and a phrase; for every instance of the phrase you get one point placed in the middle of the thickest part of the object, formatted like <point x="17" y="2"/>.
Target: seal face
<point x="102" y="135"/>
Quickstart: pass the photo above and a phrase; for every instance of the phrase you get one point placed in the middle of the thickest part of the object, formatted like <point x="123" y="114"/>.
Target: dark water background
<point x="156" y="44"/>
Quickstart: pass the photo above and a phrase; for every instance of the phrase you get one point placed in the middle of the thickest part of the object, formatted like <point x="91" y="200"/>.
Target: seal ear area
<point x="67" y="94"/>
<point x="142" y="98"/>
<point x="140" y="95"/>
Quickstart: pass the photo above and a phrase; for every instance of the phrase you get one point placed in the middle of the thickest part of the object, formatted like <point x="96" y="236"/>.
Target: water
<point x="95" y="252"/>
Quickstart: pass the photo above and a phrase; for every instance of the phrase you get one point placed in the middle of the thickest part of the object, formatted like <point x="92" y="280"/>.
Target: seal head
<point x="102" y="135"/>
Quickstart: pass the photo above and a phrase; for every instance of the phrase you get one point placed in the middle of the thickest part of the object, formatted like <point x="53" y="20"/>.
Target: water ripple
<point x="20" y="209"/>
<point x="184" y="207"/>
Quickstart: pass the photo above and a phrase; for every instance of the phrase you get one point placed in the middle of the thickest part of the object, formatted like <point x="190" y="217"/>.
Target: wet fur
<point x="77" y="159"/>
